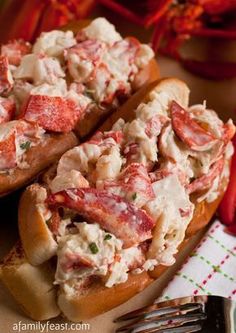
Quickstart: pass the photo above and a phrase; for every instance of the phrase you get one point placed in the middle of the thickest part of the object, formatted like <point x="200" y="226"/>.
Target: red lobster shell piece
<point x="204" y="182"/>
<point x="8" y="152"/>
<point x="114" y="214"/>
<point x="55" y="113"/>
<point x="189" y="131"/>
<point x="6" y="81"/>
<point x="227" y="207"/>
<point x="15" y="50"/>
<point x="135" y="183"/>
<point x="7" y="109"/>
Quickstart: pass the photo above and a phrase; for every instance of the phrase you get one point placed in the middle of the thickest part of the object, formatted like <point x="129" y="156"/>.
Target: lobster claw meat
<point x="107" y="139"/>
<point x="155" y="124"/>
<point x="204" y="182"/>
<point x="8" y="152"/>
<point x="134" y="182"/>
<point x="15" y="50"/>
<point x="6" y="80"/>
<point x="89" y="52"/>
<point x="14" y="133"/>
<point x="55" y="113"/>
<point x="7" y="109"/>
<point x="111" y="212"/>
<point x="75" y="261"/>
<point x="189" y="131"/>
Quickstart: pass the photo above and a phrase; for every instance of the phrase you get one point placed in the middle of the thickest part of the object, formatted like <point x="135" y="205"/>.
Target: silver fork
<point x="190" y="314"/>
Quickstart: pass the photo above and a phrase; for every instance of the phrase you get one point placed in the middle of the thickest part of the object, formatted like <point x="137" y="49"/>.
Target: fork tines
<point x="154" y="311"/>
<point x="167" y="320"/>
<point x="184" y="329"/>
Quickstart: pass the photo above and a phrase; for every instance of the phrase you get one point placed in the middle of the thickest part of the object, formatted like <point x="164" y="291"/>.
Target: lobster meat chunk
<point x="111" y="212"/>
<point x="83" y="156"/>
<point x="6" y="80"/>
<point x="15" y="50"/>
<point x="107" y="138"/>
<point x="16" y="137"/>
<point x="204" y="182"/>
<point x="83" y="58"/>
<point x="124" y="53"/>
<point x="8" y="152"/>
<point x="133" y="183"/>
<point x="53" y="113"/>
<point x="74" y="261"/>
<point x="7" y="109"/>
<point x="155" y="124"/>
<point x="189" y="131"/>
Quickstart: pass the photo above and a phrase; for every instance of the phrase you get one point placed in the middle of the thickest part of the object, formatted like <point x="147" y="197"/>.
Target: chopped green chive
<point x="25" y="145"/>
<point x="93" y="248"/>
<point x="107" y="237"/>
<point x="134" y="196"/>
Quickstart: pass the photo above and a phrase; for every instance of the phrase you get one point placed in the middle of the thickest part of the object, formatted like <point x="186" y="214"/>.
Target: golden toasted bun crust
<point x="37" y="240"/>
<point x="32" y="287"/>
<point x="98" y="299"/>
<point x="38" y="158"/>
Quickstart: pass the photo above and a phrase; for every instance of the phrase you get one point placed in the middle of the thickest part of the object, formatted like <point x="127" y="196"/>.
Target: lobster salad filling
<point x="122" y="201"/>
<point x="62" y="77"/>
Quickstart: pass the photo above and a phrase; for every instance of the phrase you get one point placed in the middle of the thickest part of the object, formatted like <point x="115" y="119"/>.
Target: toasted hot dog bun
<point x="78" y="303"/>
<point x="31" y="286"/>
<point x="36" y="228"/>
<point x="40" y="246"/>
<point x="55" y="145"/>
<point x="96" y="299"/>
<point x="39" y="158"/>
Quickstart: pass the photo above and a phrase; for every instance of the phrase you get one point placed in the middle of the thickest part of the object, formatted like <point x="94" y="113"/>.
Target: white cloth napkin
<point x="209" y="270"/>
